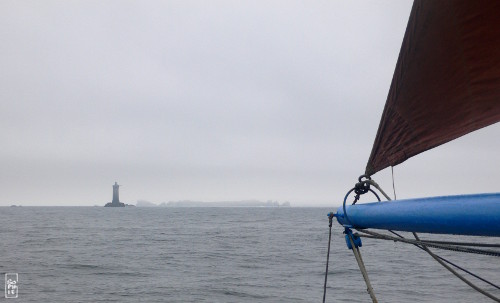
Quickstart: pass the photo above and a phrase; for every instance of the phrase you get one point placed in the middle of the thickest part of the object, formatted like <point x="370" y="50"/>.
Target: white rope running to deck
<point x="362" y="268"/>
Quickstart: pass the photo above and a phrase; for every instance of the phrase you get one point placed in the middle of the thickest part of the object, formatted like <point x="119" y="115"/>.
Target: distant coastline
<point x="188" y="203"/>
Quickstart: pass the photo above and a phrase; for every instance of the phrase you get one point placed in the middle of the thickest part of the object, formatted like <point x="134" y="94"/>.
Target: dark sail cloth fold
<point x="446" y="82"/>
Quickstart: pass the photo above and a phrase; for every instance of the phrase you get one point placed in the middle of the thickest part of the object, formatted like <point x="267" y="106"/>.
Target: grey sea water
<point x="96" y="254"/>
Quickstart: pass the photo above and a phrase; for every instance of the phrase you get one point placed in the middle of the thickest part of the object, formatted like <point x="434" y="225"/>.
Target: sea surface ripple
<point x="96" y="254"/>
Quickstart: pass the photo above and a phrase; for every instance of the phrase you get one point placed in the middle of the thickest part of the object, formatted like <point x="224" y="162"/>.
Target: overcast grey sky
<point x="208" y="100"/>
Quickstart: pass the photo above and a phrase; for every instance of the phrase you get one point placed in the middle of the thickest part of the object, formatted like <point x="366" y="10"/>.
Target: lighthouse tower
<point x="116" y="198"/>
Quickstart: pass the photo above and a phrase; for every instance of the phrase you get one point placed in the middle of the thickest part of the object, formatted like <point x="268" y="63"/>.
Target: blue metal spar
<point x="477" y="215"/>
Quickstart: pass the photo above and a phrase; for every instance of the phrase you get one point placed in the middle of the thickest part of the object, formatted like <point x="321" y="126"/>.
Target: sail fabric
<point x="446" y="82"/>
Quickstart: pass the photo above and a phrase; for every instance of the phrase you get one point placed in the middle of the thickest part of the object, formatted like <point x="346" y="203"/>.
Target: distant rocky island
<point x="188" y="203"/>
<point x="116" y="199"/>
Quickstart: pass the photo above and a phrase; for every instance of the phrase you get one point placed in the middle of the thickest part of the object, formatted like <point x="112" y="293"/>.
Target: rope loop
<point x="362" y="187"/>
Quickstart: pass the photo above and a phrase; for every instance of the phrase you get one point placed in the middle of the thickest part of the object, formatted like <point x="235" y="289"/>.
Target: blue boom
<point x="477" y="215"/>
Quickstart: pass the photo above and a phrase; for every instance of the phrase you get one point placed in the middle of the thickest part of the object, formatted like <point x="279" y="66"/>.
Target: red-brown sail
<point x="446" y="82"/>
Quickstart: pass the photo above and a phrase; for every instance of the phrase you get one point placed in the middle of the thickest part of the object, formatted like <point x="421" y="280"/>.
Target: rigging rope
<point x="453" y="264"/>
<point x="431" y="244"/>
<point x="330" y="219"/>
<point x="371" y="182"/>
<point x="464" y="243"/>
<point x="456" y="246"/>
<point x="457" y="274"/>
<point x="357" y="255"/>
<point x="393" y="187"/>
<point x="362" y="187"/>
<point x="422" y="245"/>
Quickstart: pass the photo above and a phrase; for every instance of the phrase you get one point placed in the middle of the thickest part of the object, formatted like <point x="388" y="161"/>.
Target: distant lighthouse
<point x="116" y="197"/>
